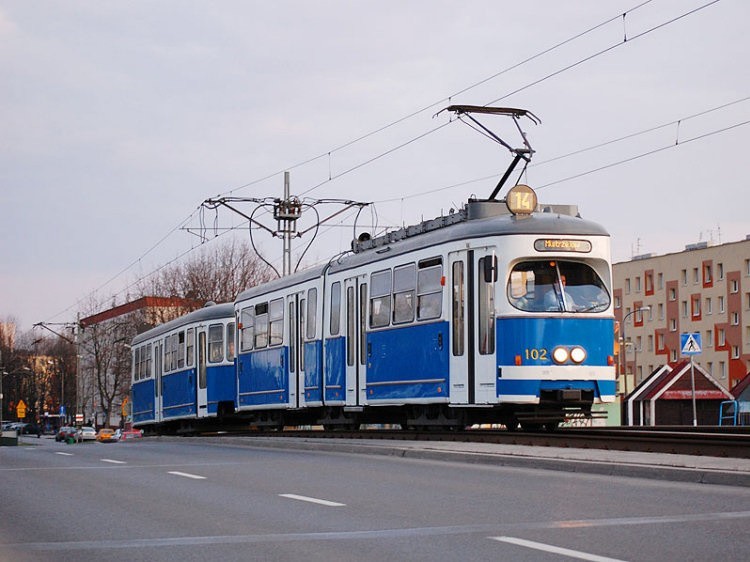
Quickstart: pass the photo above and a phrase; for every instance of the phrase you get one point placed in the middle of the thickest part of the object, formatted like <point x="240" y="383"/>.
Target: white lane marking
<point x="187" y="475"/>
<point x="113" y="461"/>
<point x="555" y="549"/>
<point x="64" y="454"/>
<point x="312" y="500"/>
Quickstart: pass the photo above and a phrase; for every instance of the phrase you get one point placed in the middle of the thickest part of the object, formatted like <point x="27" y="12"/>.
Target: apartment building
<point x="703" y="289"/>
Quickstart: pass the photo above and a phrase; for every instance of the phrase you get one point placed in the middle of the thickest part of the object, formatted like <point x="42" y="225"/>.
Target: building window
<point x="650" y="343"/>
<point x="707" y="274"/>
<point x="696" y="276"/>
<point x="627" y="285"/>
<point x="722" y="337"/>
<point x="735" y="318"/>
<point x="735" y="285"/>
<point x="637" y="284"/>
<point x="721" y="304"/>
<point x="720" y="267"/>
<point x="660" y="281"/>
<point x="672" y="294"/>
<point x="618" y="303"/>
<point x="722" y="369"/>
<point x="735" y="352"/>
<point x="649" y="280"/>
<point x="661" y="311"/>
<point x="747" y="301"/>
<point x="709" y="338"/>
<point x="708" y="305"/>
<point x="684" y="307"/>
<point x="696" y="305"/>
<point x="673" y="325"/>
<point x="710" y="368"/>
<point x="683" y="276"/>
<point x="639" y="344"/>
<point x="673" y="355"/>
<point x="747" y="267"/>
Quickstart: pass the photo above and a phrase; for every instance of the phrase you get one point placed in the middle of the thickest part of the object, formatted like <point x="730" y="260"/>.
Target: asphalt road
<point x="185" y="500"/>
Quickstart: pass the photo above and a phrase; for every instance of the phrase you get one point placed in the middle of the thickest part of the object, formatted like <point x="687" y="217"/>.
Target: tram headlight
<point x="577" y="354"/>
<point x="560" y="355"/>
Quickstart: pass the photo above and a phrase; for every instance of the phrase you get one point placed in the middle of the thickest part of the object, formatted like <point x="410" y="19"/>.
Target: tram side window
<point x="486" y="311"/>
<point x="335" y="308"/>
<point x="312" y="316"/>
<point x="404" y="285"/>
<point x="181" y="350"/>
<point x="430" y="289"/>
<point x="230" y="341"/>
<point x="190" y="347"/>
<point x="351" y="326"/>
<point x="261" y="325"/>
<point x="458" y="308"/>
<point x="170" y="353"/>
<point x="380" y="299"/>
<point x="247" y="330"/>
<point x="276" y="314"/>
<point x="137" y="365"/>
<point x="147" y="373"/>
<point x="215" y="343"/>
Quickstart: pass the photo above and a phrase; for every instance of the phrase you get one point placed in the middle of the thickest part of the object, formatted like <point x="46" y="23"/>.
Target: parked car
<point x="87" y="433"/>
<point x="128" y="434"/>
<point x="30" y="428"/>
<point x="66" y="432"/>
<point x="106" y="435"/>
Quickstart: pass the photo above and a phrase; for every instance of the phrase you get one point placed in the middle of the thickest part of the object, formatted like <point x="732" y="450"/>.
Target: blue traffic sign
<point x="690" y="343"/>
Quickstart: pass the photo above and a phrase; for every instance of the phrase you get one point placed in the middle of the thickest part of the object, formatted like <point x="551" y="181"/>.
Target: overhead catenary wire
<point x="588" y="149"/>
<point x="333" y="177"/>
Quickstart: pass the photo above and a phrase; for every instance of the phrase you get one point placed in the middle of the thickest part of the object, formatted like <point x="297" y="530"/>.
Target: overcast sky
<point x="119" y="119"/>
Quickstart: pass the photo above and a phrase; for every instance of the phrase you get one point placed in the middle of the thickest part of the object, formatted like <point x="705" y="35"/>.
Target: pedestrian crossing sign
<point x="690" y="343"/>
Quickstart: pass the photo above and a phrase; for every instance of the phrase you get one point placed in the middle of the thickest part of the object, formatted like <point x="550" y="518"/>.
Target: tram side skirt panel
<point x="264" y="378"/>
<point x="409" y="363"/>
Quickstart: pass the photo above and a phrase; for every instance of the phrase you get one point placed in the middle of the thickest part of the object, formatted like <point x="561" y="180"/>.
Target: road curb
<point x="619" y="468"/>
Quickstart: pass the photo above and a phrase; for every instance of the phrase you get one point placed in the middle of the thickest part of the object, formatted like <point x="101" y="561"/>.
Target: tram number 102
<point x="535" y="354"/>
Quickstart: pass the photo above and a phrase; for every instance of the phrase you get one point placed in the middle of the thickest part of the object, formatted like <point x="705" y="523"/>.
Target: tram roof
<point x="208" y="312"/>
<point x="493" y="221"/>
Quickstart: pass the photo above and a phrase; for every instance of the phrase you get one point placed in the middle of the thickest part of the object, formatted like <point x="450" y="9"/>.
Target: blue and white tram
<point x="487" y="315"/>
<point x="183" y="370"/>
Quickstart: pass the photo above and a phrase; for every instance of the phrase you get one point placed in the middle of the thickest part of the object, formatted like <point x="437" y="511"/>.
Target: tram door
<point x="158" y="363"/>
<point x="474" y="276"/>
<point x="355" y="289"/>
<point x="201" y="386"/>
<point x="296" y="334"/>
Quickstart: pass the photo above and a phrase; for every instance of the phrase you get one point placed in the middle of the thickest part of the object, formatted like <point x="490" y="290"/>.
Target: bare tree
<point x="215" y="274"/>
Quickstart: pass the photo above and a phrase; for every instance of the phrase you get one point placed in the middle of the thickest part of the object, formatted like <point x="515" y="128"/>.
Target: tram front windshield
<point x="557" y="286"/>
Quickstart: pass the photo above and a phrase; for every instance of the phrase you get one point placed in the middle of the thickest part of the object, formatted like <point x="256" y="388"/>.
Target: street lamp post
<point x="624" y="361"/>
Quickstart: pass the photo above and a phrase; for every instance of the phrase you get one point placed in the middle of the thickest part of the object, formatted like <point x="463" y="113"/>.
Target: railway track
<point x="704" y="441"/>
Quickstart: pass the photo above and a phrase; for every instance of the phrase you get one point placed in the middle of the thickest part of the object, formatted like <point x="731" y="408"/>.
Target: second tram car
<point x="184" y="370"/>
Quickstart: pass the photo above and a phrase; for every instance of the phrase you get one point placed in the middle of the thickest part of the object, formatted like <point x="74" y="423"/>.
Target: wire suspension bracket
<point x="286" y="212"/>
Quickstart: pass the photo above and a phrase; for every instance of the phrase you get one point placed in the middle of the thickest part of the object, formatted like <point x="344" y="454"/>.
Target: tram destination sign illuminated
<point x="562" y="245"/>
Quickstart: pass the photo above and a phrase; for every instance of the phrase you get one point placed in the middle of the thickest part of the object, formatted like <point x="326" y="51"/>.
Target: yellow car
<point x="106" y="435"/>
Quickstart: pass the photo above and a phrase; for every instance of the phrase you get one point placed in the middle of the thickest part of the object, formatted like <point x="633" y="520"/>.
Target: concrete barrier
<point x="9" y="438"/>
